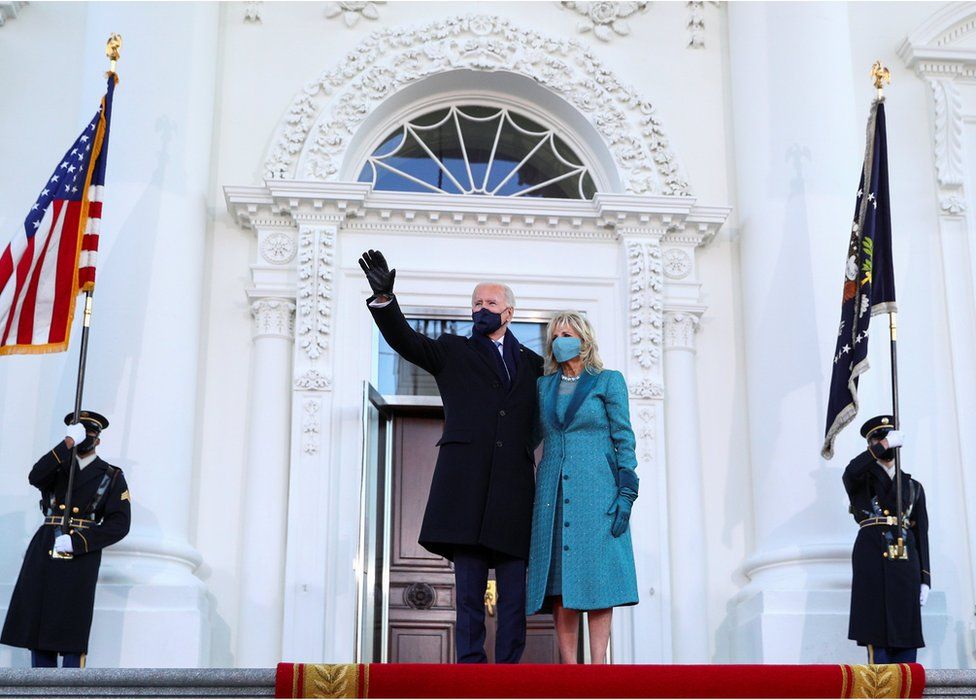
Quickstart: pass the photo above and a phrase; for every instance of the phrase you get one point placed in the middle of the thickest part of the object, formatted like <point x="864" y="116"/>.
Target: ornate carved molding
<point x="252" y="11"/>
<point x="273" y="318"/>
<point x="696" y="24"/>
<point x="646" y="302"/>
<point x="311" y="419"/>
<point x="316" y="250"/>
<point x="679" y="330"/>
<point x="646" y="389"/>
<point x="646" y="434"/>
<point x="315" y="133"/>
<point x="352" y="12"/>
<point x="10" y="10"/>
<point x="278" y="248"/>
<point x="948" y="131"/>
<point x="313" y="380"/>
<point x="605" y="19"/>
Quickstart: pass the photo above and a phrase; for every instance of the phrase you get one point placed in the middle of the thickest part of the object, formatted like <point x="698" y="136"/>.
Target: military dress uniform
<point x="53" y="601"/>
<point x="886" y="612"/>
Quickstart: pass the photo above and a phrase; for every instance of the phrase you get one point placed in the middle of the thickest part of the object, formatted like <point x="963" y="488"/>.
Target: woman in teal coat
<point x="581" y="557"/>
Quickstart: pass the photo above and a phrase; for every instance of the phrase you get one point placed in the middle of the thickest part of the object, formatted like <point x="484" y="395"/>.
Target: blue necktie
<point x="501" y="352"/>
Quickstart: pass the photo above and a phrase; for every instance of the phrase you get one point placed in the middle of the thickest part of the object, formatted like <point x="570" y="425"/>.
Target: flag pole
<point x="882" y="76"/>
<point x="112" y="47"/>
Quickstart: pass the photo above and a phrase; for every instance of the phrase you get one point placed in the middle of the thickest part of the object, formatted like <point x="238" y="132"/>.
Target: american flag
<point x="52" y="259"/>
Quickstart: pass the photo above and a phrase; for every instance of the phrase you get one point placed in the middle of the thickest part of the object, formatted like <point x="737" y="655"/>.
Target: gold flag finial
<point x="882" y="76"/>
<point x="112" y="47"/>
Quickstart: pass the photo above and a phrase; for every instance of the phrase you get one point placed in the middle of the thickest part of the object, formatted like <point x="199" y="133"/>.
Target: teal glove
<point x="620" y="510"/>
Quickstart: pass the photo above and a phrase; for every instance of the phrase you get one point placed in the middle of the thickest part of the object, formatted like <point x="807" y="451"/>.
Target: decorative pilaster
<point x="265" y="512"/>
<point x="685" y="498"/>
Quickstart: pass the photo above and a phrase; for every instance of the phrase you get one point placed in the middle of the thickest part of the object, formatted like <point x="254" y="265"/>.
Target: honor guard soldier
<point x="51" y="608"/>
<point x="890" y="582"/>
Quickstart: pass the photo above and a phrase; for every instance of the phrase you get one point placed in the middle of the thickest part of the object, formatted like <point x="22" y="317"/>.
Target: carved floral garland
<point x="315" y="133"/>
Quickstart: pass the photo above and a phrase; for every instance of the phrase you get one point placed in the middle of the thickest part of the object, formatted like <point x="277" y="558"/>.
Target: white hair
<point x="509" y="294"/>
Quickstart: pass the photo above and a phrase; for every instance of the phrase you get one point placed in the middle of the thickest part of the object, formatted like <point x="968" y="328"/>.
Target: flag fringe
<point x="846" y="414"/>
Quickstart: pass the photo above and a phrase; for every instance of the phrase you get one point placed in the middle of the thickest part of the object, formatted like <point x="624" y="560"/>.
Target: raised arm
<point x="44" y="474"/>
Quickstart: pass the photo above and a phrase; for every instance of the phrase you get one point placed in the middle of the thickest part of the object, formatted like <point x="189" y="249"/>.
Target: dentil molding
<point x="273" y="318"/>
<point x="315" y="133"/>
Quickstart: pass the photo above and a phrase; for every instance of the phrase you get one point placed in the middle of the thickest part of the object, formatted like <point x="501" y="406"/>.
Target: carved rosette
<point x="677" y="263"/>
<point x="679" y="330"/>
<point x="311" y="420"/>
<point x="273" y="318"/>
<point x="646" y="389"/>
<point x="419" y="596"/>
<point x="646" y="302"/>
<point x="315" y="133"/>
<point x="278" y="248"/>
<point x="316" y="252"/>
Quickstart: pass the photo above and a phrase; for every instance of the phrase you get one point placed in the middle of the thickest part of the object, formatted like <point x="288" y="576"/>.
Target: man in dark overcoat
<point x="887" y="591"/>
<point x="479" y="511"/>
<point x="51" y="608"/>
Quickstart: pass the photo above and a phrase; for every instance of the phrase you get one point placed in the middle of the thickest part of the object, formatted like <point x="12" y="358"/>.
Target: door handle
<point x="491" y="598"/>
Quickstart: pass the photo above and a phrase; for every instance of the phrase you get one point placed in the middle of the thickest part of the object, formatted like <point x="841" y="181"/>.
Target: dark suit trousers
<point x="891" y="655"/>
<point x="471" y="565"/>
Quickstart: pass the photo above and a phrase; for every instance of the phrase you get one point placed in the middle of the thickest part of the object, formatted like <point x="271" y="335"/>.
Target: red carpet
<point x="623" y="681"/>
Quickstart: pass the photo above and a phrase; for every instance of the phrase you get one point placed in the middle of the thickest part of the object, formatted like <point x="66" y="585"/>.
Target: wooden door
<point x="421" y="597"/>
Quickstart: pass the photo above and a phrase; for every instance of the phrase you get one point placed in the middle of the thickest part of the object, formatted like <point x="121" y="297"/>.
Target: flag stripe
<point x="25" y="323"/>
<point x="23" y="268"/>
<point x="64" y="279"/>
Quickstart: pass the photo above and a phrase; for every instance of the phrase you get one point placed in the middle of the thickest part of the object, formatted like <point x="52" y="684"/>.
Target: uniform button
<point x="885" y="555"/>
<point x="498" y="444"/>
<point x="501" y="412"/>
<point x="495" y="385"/>
<point x="74" y="510"/>
<point x="886" y="513"/>
<point x="62" y="506"/>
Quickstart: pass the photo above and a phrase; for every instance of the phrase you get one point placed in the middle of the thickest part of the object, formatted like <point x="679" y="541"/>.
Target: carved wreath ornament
<point x="314" y="135"/>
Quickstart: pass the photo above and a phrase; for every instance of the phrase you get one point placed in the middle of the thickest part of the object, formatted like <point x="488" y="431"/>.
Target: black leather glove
<point x="378" y="273"/>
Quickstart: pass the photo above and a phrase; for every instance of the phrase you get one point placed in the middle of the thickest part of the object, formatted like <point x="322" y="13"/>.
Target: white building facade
<point x="714" y="150"/>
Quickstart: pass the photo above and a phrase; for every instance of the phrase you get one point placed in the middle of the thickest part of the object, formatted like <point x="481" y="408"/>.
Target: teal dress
<point x="588" y="443"/>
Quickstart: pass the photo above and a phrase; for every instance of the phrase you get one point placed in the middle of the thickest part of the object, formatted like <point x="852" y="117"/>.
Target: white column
<point x="151" y="609"/>
<point x="689" y="623"/>
<point x="799" y="141"/>
<point x="265" y="511"/>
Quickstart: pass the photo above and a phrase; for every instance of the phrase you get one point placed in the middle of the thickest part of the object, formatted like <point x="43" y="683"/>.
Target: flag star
<point x="36" y="224"/>
<point x="54" y="178"/>
<point x="871" y="196"/>
<point x="860" y="192"/>
<point x="858" y="339"/>
<point x="44" y="193"/>
<point x="36" y="206"/>
<point x="847" y="348"/>
<point x="71" y="169"/>
<point x="74" y="151"/>
<point x="91" y="126"/>
<point x="84" y="138"/>
<point x="64" y="165"/>
<point x="74" y="189"/>
<point x="88" y="147"/>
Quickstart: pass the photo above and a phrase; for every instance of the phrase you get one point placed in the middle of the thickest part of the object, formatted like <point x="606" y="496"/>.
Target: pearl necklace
<point x="570" y="379"/>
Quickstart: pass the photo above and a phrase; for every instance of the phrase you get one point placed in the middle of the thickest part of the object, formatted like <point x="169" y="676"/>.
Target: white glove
<point x="923" y="594"/>
<point x="62" y="544"/>
<point x="895" y="438"/>
<point x="77" y="432"/>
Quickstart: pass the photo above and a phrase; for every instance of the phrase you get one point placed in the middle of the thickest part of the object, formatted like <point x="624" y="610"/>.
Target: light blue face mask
<point x="564" y="348"/>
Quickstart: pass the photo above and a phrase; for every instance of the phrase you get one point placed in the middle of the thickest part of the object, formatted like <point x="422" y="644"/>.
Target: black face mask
<point x="887" y="455"/>
<point x="486" y="322"/>
<point x="87" y="445"/>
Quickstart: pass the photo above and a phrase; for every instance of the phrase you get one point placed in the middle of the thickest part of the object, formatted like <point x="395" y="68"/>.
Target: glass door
<point x="373" y="571"/>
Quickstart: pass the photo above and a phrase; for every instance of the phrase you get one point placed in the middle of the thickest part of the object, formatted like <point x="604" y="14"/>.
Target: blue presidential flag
<point x="869" y="280"/>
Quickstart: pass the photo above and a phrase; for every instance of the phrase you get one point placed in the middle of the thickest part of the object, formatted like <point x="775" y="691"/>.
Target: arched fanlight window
<point x="471" y="149"/>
